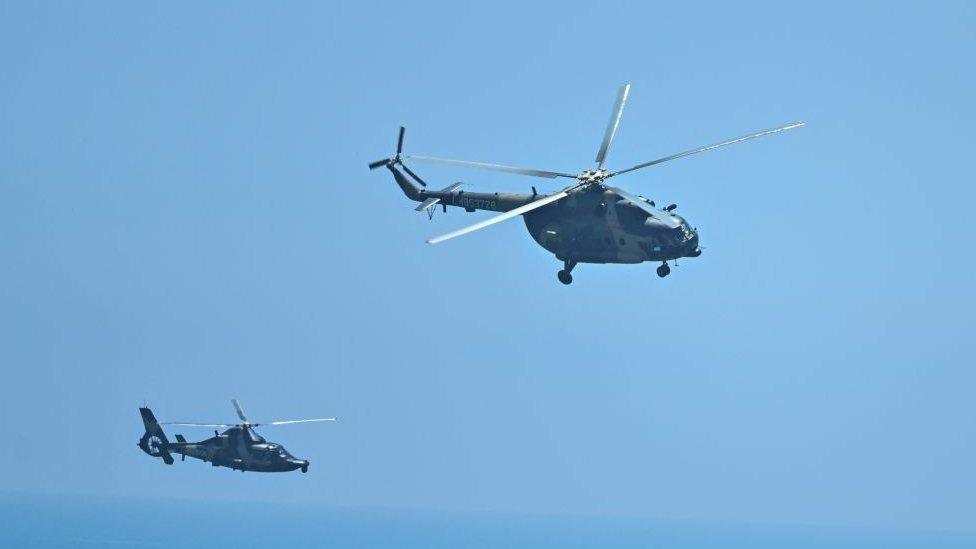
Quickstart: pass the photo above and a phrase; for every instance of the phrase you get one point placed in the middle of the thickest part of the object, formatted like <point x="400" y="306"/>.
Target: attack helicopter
<point x="585" y="222"/>
<point x="240" y="447"/>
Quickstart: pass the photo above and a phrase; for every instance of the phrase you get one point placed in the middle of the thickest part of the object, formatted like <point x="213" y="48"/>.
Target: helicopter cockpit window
<point x="674" y="237"/>
<point x="632" y="219"/>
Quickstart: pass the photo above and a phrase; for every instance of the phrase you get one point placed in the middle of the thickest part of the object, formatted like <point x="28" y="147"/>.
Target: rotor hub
<point x="590" y="177"/>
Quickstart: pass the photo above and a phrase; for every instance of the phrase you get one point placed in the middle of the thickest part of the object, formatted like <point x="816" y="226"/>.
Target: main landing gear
<point x="664" y="270"/>
<point x="564" y="275"/>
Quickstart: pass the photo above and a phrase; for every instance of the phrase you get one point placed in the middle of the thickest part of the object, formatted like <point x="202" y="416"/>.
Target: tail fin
<point x="154" y="441"/>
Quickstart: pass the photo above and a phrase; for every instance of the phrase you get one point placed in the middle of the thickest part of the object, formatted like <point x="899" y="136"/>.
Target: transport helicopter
<point x="587" y="221"/>
<point x="240" y="447"/>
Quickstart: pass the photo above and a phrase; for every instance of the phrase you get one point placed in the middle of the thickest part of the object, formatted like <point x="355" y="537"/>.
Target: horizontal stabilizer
<point x="426" y="204"/>
<point x="432" y="201"/>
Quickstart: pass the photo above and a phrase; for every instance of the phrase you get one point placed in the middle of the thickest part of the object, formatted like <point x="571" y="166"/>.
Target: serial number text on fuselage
<point x="480" y="203"/>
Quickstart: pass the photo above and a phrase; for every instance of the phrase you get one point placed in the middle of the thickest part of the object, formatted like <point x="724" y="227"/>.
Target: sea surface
<point x="54" y="522"/>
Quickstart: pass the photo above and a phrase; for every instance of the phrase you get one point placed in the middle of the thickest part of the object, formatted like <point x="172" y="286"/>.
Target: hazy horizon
<point x="135" y="521"/>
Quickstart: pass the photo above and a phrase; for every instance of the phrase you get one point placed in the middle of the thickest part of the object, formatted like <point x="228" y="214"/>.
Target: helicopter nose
<point x="693" y="249"/>
<point x="300" y="464"/>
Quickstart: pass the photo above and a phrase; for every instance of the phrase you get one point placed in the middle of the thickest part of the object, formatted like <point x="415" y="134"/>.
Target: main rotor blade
<point x="499" y="218"/>
<point x="240" y="411"/>
<point x="660" y="215"/>
<point x="615" y="114"/>
<point x="289" y="422"/>
<point x="486" y="166"/>
<point x="190" y="424"/>
<point x="400" y="141"/>
<point x="710" y="147"/>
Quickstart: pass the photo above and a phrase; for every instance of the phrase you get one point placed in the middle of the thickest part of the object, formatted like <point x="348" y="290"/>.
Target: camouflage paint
<point x="591" y="225"/>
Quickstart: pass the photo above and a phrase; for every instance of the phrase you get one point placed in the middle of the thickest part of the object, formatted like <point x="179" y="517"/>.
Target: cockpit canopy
<point x="273" y="449"/>
<point x="636" y="221"/>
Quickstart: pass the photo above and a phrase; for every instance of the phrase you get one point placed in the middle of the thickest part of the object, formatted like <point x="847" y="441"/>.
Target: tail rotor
<point x="154" y="441"/>
<point x="396" y="159"/>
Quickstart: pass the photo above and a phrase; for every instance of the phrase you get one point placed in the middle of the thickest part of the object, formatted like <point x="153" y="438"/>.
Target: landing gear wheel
<point x="305" y="469"/>
<point x="664" y="270"/>
<point x="564" y="275"/>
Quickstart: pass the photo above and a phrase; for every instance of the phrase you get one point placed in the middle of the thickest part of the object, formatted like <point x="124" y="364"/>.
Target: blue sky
<point x="187" y="217"/>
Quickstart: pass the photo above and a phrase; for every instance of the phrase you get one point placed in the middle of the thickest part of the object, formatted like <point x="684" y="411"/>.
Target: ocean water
<point x="50" y="522"/>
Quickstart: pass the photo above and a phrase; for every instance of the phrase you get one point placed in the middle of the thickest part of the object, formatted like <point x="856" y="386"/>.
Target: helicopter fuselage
<point x="595" y="225"/>
<point x="591" y="225"/>
<point x="240" y="449"/>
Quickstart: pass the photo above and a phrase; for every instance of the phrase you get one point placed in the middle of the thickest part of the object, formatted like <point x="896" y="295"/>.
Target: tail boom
<point x="453" y="196"/>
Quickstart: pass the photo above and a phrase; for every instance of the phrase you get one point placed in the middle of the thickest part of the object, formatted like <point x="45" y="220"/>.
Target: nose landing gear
<point x="664" y="270"/>
<point x="564" y="275"/>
